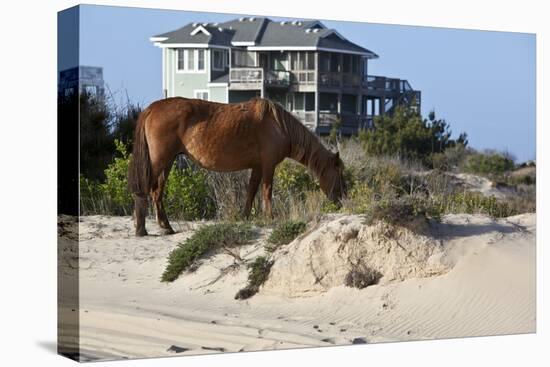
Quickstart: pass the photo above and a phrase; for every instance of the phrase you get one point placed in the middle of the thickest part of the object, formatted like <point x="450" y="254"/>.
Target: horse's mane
<point x="305" y="146"/>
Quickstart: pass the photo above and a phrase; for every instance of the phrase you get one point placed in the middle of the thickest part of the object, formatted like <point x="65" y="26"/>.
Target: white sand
<point x="476" y="276"/>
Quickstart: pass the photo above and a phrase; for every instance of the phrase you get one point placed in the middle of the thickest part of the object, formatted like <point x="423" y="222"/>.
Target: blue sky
<point x="481" y="82"/>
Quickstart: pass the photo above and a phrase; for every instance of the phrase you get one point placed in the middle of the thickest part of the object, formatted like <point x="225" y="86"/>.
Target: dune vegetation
<point x="407" y="172"/>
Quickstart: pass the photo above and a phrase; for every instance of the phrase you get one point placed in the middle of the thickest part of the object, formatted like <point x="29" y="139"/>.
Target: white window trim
<point x="200" y="29"/>
<point x="196" y="91"/>
<point x="212" y="52"/>
<point x="195" y="69"/>
<point x="243" y="43"/>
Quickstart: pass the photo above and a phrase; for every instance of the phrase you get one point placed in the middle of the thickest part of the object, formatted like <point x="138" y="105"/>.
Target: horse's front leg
<point x="253" y="184"/>
<point x="267" y="182"/>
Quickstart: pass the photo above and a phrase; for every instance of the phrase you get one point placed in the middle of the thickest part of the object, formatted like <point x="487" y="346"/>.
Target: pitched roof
<point x="215" y="35"/>
<point x="262" y="32"/>
<point x="247" y="29"/>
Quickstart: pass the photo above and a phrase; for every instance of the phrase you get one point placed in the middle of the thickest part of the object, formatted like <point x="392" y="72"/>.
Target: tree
<point x="409" y="136"/>
<point x="97" y="146"/>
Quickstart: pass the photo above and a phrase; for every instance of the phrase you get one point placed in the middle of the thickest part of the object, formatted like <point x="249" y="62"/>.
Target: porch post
<point x="381" y="105"/>
<point x="316" y="75"/>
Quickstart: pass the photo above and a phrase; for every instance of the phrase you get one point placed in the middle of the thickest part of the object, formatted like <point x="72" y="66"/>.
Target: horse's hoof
<point x="167" y="231"/>
<point x="141" y="232"/>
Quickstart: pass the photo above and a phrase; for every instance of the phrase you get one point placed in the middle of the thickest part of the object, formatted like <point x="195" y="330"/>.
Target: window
<point x="302" y="60"/>
<point x="325" y="61"/>
<point x="218" y="59"/>
<point x="191" y="60"/>
<point x="303" y="101"/>
<point x="200" y="65"/>
<point x="279" y="61"/>
<point x="310" y="65"/>
<point x="310" y="101"/>
<point x="294" y="60"/>
<point x="299" y="101"/>
<point x="181" y="59"/>
<point x="243" y="58"/>
<point x="202" y="94"/>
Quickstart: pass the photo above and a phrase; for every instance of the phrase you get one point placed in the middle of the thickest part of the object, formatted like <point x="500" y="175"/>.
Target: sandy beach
<point x="472" y="276"/>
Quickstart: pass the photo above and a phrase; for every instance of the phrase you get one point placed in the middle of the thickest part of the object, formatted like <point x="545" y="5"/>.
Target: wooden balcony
<point x="307" y="118"/>
<point x="339" y="80"/>
<point x="381" y="85"/>
<point x="350" y="123"/>
<point x="256" y="78"/>
<point x="304" y="77"/>
<point x="246" y="78"/>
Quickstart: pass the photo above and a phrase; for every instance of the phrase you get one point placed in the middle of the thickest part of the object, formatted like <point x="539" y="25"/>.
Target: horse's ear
<point x="337" y="155"/>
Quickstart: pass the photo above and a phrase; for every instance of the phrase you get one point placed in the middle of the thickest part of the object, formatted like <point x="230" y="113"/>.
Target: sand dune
<point x="472" y="276"/>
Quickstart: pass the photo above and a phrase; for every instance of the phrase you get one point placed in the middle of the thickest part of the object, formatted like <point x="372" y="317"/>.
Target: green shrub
<point x="490" y="163"/>
<point x="116" y="184"/>
<point x="405" y="211"/>
<point x="204" y="240"/>
<point x="284" y="233"/>
<point x="381" y="174"/>
<point x="187" y="195"/>
<point x="292" y="178"/>
<point x="359" y="198"/>
<point x="258" y="272"/>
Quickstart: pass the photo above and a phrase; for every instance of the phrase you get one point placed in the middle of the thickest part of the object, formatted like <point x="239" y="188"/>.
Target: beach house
<point x="313" y="71"/>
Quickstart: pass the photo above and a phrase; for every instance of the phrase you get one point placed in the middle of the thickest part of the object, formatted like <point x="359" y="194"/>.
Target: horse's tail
<point x="139" y="171"/>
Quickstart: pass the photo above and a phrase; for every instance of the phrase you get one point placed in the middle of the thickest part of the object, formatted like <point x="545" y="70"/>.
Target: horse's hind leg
<point x="267" y="182"/>
<point x="156" y="195"/>
<point x="255" y="178"/>
<point x="140" y="212"/>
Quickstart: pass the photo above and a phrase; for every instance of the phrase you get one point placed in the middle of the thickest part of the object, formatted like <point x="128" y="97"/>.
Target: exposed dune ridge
<point x="472" y="276"/>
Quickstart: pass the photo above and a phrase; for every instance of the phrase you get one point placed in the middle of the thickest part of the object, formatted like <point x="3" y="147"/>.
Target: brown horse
<point x="256" y="135"/>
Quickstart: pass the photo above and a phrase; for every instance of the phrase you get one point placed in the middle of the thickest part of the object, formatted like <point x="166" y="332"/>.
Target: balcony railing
<point x="254" y="78"/>
<point x="335" y="79"/>
<point x="349" y="122"/>
<point x="307" y="118"/>
<point x="246" y="78"/>
<point x="303" y="77"/>
<point x="277" y="78"/>
<point x="381" y="83"/>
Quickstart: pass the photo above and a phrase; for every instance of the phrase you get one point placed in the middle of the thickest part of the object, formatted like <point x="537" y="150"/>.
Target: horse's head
<point x="332" y="179"/>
